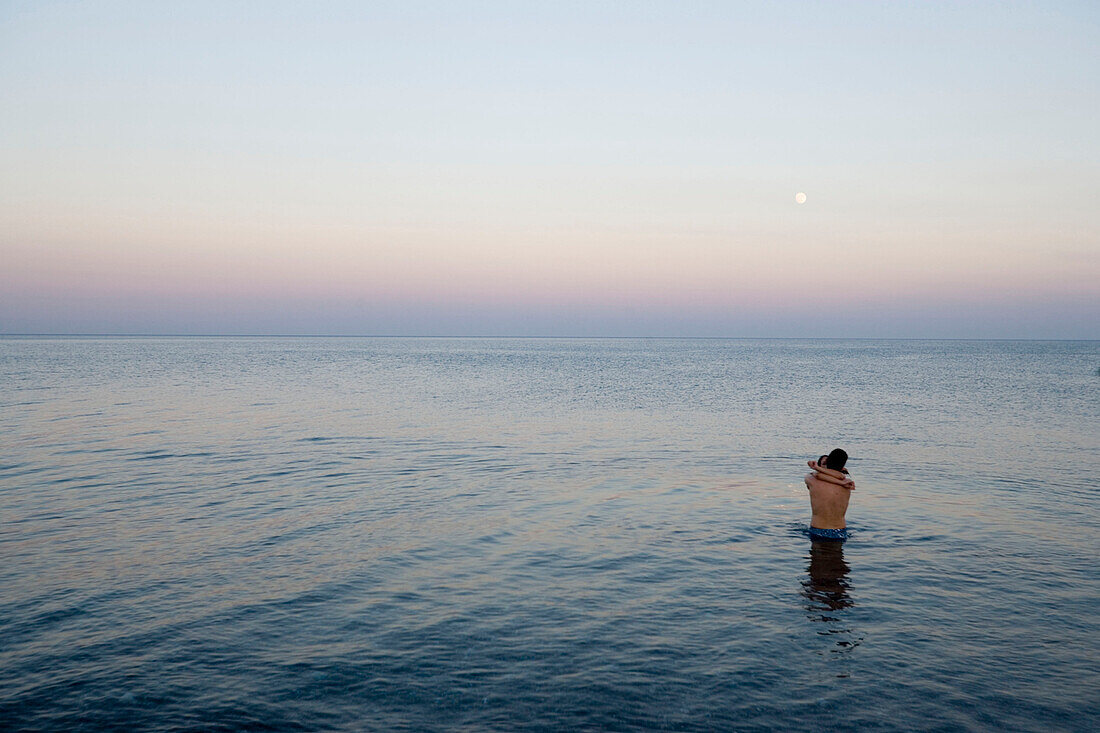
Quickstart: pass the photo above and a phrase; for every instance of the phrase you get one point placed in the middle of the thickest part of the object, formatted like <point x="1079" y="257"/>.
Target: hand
<point x="844" y="483"/>
<point x="847" y="483"/>
<point x="828" y="475"/>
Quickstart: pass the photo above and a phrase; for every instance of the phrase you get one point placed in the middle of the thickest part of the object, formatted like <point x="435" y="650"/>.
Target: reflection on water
<point x="826" y="592"/>
<point x="530" y="535"/>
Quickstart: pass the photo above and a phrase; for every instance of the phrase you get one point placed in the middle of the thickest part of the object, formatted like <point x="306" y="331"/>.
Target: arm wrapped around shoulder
<point x="830" y="476"/>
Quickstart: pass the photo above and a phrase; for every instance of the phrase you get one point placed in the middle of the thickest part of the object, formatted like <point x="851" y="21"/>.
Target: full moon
<point x="800" y="198"/>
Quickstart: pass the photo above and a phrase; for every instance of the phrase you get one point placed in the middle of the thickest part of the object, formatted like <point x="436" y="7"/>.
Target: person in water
<point x="830" y="489"/>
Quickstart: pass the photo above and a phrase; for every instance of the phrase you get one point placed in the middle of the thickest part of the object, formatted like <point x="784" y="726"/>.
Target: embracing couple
<point x="830" y="489"/>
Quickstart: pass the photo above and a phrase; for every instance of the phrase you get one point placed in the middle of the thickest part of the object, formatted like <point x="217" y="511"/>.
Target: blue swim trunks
<point x="832" y="535"/>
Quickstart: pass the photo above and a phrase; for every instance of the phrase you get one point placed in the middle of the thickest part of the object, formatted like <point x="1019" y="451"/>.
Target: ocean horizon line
<point x="517" y="337"/>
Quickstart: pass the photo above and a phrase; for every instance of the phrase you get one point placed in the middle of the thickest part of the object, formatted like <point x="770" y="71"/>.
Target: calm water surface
<point x="430" y="534"/>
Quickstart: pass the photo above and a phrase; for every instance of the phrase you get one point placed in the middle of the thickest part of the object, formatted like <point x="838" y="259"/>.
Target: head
<point x="835" y="460"/>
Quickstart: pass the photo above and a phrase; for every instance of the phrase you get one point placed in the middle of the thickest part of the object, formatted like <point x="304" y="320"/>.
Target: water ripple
<point x="339" y="534"/>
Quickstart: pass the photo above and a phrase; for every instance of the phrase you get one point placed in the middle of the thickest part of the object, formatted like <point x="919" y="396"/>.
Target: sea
<point x="430" y="534"/>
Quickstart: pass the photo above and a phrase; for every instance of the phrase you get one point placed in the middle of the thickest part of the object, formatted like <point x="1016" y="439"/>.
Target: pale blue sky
<point x="551" y="168"/>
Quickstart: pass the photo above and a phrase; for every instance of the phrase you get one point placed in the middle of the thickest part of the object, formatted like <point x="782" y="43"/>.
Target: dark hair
<point x="822" y="460"/>
<point x="836" y="459"/>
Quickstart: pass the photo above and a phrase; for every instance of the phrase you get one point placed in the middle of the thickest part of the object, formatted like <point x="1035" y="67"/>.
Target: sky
<point x="551" y="169"/>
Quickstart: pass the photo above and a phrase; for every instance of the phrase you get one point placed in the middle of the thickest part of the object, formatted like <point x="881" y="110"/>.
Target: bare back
<point x="828" y="502"/>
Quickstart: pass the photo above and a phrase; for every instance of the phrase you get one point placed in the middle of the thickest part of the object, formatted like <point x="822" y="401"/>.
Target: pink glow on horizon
<point x="432" y="275"/>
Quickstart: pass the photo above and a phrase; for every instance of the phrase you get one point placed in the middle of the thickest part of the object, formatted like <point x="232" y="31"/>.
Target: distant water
<point x="429" y="534"/>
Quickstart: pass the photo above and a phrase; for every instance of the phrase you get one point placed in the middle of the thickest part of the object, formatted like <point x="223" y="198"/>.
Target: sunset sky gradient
<point x="588" y="168"/>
